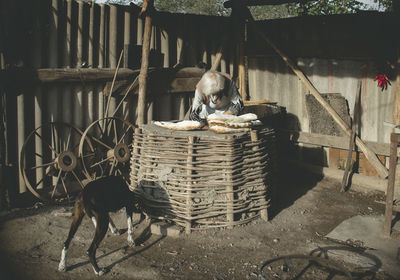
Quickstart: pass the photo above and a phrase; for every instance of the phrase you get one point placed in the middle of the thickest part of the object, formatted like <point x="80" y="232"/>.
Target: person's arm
<point x="236" y="105"/>
<point x="196" y="108"/>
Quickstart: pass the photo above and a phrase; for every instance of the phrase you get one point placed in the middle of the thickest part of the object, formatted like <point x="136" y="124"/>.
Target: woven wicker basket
<point x="200" y="179"/>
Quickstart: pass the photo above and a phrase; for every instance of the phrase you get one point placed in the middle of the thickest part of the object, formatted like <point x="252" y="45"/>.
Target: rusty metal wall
<point x="270" y="78"/>
<point x="74" y="34"/>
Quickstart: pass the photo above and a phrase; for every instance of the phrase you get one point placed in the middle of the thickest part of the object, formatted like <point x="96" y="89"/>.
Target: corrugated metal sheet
<point x="270" y="78"/>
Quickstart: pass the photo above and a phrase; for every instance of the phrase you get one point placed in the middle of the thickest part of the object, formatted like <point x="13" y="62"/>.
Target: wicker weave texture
<point x="201" y="182"/>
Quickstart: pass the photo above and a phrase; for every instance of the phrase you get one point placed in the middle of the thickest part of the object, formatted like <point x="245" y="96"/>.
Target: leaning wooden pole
<point x="345" y="180"/>
<point x="145" y="62"/>
<point x="369" y="154"/>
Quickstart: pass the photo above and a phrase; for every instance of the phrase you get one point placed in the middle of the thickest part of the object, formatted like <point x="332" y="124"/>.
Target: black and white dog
<point x="97" y="199"/>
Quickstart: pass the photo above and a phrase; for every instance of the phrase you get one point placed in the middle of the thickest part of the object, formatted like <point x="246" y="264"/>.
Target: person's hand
<point x="204" y="127"/>
<point x="228" y="112"/>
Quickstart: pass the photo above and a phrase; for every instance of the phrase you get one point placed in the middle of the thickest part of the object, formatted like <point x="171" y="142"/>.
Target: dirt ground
<point x="306" y="209"/>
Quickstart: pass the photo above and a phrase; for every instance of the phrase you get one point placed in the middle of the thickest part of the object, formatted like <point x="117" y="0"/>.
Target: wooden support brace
<point x="352" y="138"/>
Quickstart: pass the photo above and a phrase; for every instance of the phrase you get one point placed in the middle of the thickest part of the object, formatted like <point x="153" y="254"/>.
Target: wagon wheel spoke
<point x="115" y="131"/>
<point x="119" y="171"/>
<point x="68" y="139"/>
<point x="101" y="130"/>
<point x="39" y="155"/>
<point x="124" y="134"/>
<point x="101" y="143"/>
<point x="114" y="163"/>
<point x="88" y="155"/>
<point x="76" y="177"/>
<point x="43" y="165"/>
<point x="56" y="183"/>
<point x="38" y="183"/>
<point x="100" y="162"/>
<point x="65" y="188"/>
<point x="48" y="145"/>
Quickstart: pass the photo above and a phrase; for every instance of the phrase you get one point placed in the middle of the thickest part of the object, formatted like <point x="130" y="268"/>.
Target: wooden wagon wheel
<point x="49" y="161"/>
<point x="112" y="141"/>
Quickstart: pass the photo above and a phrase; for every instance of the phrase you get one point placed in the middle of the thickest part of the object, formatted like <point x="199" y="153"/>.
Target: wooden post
<point x="254" y="138"/>
<point x="352" y="138"/>
<point x="241" y="67"/>
<point x="387" y="225"/>
<point x="239" y="19"/>
<point x="145" y="65"/>
<point x="217" y="59"/>
<point x="369" y="154"/>
<point x="189" y="166"/>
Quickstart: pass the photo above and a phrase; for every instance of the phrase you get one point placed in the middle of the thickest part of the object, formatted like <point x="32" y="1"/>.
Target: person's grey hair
<point x="212" y="82"/>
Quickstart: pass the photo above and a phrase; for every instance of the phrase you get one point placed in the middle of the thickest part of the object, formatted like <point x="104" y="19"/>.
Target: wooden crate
<point x="200" y="179"/>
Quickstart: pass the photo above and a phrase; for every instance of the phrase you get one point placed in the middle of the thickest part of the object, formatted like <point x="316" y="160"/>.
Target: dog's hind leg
<point x="101" y="229"/>
<point x="79" y="213"/>
<point x="129" y="212"/>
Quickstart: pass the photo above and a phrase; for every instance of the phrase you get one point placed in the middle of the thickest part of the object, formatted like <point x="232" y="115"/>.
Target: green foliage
<point x="326" y="7"/>
<point x="385" y="5"/>
<point x="270" y="12"/>
<point x="215" y="7"/>
<point x="204" y="7"/>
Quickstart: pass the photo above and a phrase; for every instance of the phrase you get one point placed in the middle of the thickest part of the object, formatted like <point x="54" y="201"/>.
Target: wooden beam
<point x="163" y="80"/>
<point x="330" y="141"/>
<point x="63" y="75"/>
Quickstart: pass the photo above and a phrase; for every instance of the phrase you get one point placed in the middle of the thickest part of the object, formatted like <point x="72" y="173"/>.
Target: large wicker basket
<point x="200" y="179"/>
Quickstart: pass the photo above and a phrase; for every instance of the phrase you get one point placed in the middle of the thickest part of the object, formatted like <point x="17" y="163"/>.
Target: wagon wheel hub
<point x="66" y="161"/>
<point x="120" y="152"/>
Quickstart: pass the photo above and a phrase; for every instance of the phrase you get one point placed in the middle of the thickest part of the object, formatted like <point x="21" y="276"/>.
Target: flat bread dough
<point x="229" y="124"/>
<point x="224" y="129"/>
<point x="232" y="118"/>
<point x="182" y="125"/>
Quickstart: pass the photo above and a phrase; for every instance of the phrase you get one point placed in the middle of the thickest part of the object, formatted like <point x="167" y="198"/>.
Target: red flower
<point x="383" y="81"/>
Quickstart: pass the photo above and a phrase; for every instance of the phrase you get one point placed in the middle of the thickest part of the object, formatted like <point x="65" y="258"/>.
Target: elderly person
<point x="215" y="93"/>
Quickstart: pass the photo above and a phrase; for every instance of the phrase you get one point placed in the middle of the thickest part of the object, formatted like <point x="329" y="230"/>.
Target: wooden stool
<point x="390" y="208"/>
